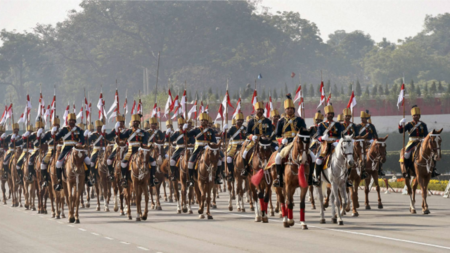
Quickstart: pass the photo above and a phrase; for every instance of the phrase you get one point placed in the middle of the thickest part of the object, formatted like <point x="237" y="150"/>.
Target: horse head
<point x="434" y="142"/>
<point x="359" y="149"/>
<point x="78" y="155"/>
<point x="301" y="145"/>
<point x="264" y="148"/>
<point x="346" y="149"/>
<point x="158" y="152"/>
<point x="380" y="147"/>
<point x="212" y="154"/>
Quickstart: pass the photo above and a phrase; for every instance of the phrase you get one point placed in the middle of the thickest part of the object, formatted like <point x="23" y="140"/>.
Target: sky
<point x="391" y="19"/>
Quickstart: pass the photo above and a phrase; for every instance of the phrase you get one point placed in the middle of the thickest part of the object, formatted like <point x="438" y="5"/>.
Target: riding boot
<point x="45" y="178"/>
<point x="31" y="172"/>
<point x="310" y="177"/>
<point x="318" y="170"/>
<point x="94" y="173"/>
<point x="278" y="182"/>
<point x="153" y="180"/>
<point x="349" y="182"/>
<point x="5" y="171"/>
<point x="407" y="165"/>
<point x="191" y="177"/>
<point x="86" y="176"/>
<point x="124" y="181"/>
<point x="111" y="172"/>
<point x="230" y="167"/>
<point x="173" y="173"/>
<point x="380" y="171"/>
<point x="244" y="172"/>
<point x="20" y="174"/>
<point x="58" y="186"/>
<point x="434" y="173"/>
<point x="218" y="172"/>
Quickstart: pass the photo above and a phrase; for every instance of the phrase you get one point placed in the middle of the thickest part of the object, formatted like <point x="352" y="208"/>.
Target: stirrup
<point x="124" y="182"/>
<point x="155" y="181"/>
<point x="244" y="172"/>
<point x="276" y="182"/>
<point x="317" y="181"/>
<point x="434" y="173"/>
<point x="364" y="174"/>
<point x="349" y="184"/>
<point x="58" y="187"/>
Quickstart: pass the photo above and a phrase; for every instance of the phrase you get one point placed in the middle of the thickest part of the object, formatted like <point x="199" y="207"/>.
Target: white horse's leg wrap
<point x="244" y="154"/>
<point x="319" y="161"/>
<point x="407" y="155"/>
<point x="87" y="161"/>
<point x="123" y="165"/>
<point x="59" y="164"/>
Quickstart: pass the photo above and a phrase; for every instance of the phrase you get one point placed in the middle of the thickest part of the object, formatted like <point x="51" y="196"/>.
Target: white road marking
<point x="70" y="226"/>
<point x="126" y="243"/>
<point x="82" y="229"/>
<point x="109" y="238"/>
<point x="142" y="248"/>
<point x="95" y="234"/>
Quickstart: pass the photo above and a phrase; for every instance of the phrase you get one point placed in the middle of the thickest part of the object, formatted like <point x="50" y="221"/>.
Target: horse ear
<point x="440" y="131"/>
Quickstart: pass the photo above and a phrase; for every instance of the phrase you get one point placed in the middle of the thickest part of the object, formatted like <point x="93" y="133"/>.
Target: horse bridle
<point x="378" y="157"/>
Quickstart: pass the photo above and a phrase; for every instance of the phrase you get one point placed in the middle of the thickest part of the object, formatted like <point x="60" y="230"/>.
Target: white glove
<point x="3" y="136"/>
<point x="86" y="133"/>
<point x="103" y="128"/>
<point x="254" y="138"/>
<point x="26" y="134"/>
<point x="225" y="127"/>
<point x="276" y="148"/>
<point x="90" y="133"/>
<point x="54" y="129"/>
<point x="117" y="126"/>
<point x="168" y="131"/>
<point x="402" y="122"/>
<point x="284" y="141"/>
<point x="185" y="126"/>
<point x="39" y="132"/>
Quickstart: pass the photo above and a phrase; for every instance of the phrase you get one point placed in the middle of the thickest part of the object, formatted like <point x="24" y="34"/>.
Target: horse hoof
<point x="39" y="211"/>
<point x="210" y="217"/>
<point x="252" y="209"/>
<point x="98" y="208"/>
<point x="116" y="209"/>
<point x="258" y="219"/>
<point x="152" y="207"/>
<point x="144" y="217"/>
<point x="355" y="214"/>
<point x="107" y="209"/>
<point x="200" y="211"/>
<point x="53" y="215"/>
<point x="322" y="221"/>
<point x="45" y="212"/>
<point x="170" y="200"/>
<point x="333" y="220"/>
<point x="243" y="210"/>
<point x="304" y="227"/>
<point x="88" y="205"/>
<point x="58" y="217"/>
<point x="426" y="212"/>
<point x="190" y="212"/>
<point x="26" y="208"/>
<point x="313" y="207"/>
<point x="325" y="205"/>
<point x="201" y="216"/>
<point x="158" y="208"/>
<point x="272" y="213"/>
<point x="122" y="213"/>
<point x="185" y="209"/>
<point x="291" y="223"/>
<point x="357" y="205"/>
<point x="380" y="206"/>
<point x="77" y="221"/>
<point x="233" y="198"/>
<point x="230" y="208"/>
<point x="71" y="220"/>
<point x="34" y="209"/>
<point x="165" y="199"/>
<point x="214" y="206"/>
<point x="63" y="216"/>
<point x="341" y="223"/>
<point x="280" y="216"/>
<point x="178" y="211"/>
<point x="367" y="207"/>
<point x="238" y="209"/>
<point x="20" y="205"/>
<point x="138" y="219"/>
<point x="265" y="219"/>
<point x="286" y="224"/>
<point x="276" y="210"/>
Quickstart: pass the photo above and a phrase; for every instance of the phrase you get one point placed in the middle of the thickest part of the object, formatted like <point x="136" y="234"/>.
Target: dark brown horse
<point x="184" y="201"/>
<point x="74" y="181"/>
<point x="376" y="156"/>
<point x="59" y="196"/>
<point x="162" y="168"/>
<point x="242" y="183"/>
<point x="119" y="191"/>
<point x="140" y="176"/>
<point x="428" y="152"/>
<point x="359" y="156"/>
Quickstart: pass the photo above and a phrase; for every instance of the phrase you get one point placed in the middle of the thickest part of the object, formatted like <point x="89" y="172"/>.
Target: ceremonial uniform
<point x="12" y="140"/>
<point x="236" y="137"/>
<point x="98" y="143"/>
<point x="180" y="140"/>
<point x="314" y="146"/>
<point x="109" y="137"/>
<point x="288" y="127"/>
<point x="48" y="138"/>
<point x="28" y="147"/>
<point x="367" y="128"/>
<point x="275" y="115"/>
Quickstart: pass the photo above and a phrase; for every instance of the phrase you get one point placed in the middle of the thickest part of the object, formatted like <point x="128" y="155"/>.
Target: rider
<point x="72" y="136"/>
<point x="136" y="138"/>
<point x="275" y="117"/>
<point x="417" y="130"/>
<point x="288" y="127"/>
<point x="328" y="134"/>
<point x="179" y="138"/>
<point x="51" y="151"/>
<point x="3" y="143"/>
<point x="366" y="127"/>
<point x="155" y="137"/>
<point x="120" y="126"/>
<point x="236" y="137"/>
<point x="14" y="140"/>
<point x="28" y="147"/>
<point x="169" y="125"/>
<point x="97" y="141"/>
<point x="203" y="135"/>
<point x="258" y="126"/>
<point x="314" y="146"/>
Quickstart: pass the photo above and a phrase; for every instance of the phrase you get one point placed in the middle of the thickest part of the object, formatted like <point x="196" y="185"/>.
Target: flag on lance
<point x="301" y="105"/>
<point x="297" y="93"/>
<point x="114" y="105"/>
<point x="226" y="102"/>
<point x="401" y="96"/>
<point x="237" y="109"/>
<point x="133" y="108"/>
<point x="329" y="100"/>
<point x="352" y="101"/>
<point x="322" y="94"/>
<point x="154" y="111"/>
<point x="219" y="113"/>
<point x="193" y="111"/>
<point x="254" y="100"/>
<point x="66" y="114"/>
<point x="169" y="103"/>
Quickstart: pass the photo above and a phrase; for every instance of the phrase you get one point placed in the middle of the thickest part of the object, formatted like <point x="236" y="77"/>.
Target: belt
<point x="70" y="143"/>
<point x="415" y="138"/>
<point x="180" y="146"/>
<point x="134" y="144"/>
<point x="239" y="142"/>
<point x="290" y="134"/>
<point x="98" y="148"/>
<point x="51" y="147"/>
<point x="201" y="144"/>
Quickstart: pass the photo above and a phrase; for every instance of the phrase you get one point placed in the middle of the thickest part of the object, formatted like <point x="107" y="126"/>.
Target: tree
<point x="327" y="86"/>
<point x="374" y="90"/>
<point x="380" y="90"/>
<point x="425" y="90"/>
<point x="263" y="95"/>
<point x="440" y="88"/>
<point x="311" y="91"/>
<point x="335" y="91"/>
<point x="386" y="89"/>
<point x="412" y="87"/>
<point x="367" y="91"/>
<point x="275" y="95"/>
<point x="305" y="90"/>
<point x="433" y="88"/>
<point x="350" y="89"/>
<point x="418" y="92"/>
<point x="210" y="91"/>
<point x="358" y="91"/>
<point x="342" y="90"/>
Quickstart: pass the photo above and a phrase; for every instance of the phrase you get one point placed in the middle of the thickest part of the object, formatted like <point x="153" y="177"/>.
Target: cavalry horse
<point x="261" y="179"/>
<point x="45" y="192"/>
<point x="335" y="172"/>
<point x="242" y="184"/>
<point x="74" y="181"/>
<point x="428" y="151"/>
<point x="297" y="168"/>
<point x="119" y="191"/>
<point x="17" y="183"/>
<point x="376" y="155"/>
<point x="59" y="196"/>
<point x="5" y="178"/>
<point x="102" y="183"/>
<point x="359" y="157"/>
<point x="206" y="172"/>
<point x="162" y="168"/>
<point x="140" y="176"/>
<point x="187" y="194"/>
<point x="29" y="186"/>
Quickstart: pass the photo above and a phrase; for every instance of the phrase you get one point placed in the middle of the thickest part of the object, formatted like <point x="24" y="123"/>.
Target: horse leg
<point x="337" y="202"/>
<point x="272" y="212"/>
<point x="230" y="199"/>
<point x="424" y="185"/>
<point x="137" y="192"/>
<point x="33" y="196"/>
<point x="184" y="191"/>
<point x="354" y="198"/>
<point x="375" y="180"/>
<point x="177" y="195"/>
<point x="68" y="194"/>
<point x="202" y="200"/>
<point x="284" y="211"/>
<point x="257" y="206"/>
<point x="344" y="199"/>
<point x="164" y="189"/>
<point x="215" y="193"/>
<point x="366" y="192"/>
<point x="146" y="197"/>
<point x="78" y="195"/>
<point x="4" y="191"/>
<point x="208" y="200"/>
<point x="303" y="192"/>
<point x="311" y="197"/>
<point x="158" y="190"/>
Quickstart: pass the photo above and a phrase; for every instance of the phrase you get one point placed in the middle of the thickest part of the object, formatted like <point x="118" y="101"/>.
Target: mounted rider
<point x="368" y="128"/>
<point x="72" y="136"/>
<point x="3" y="144"/>
<point x="314" y="146"/>
<point x="31" y="139"/>
<point x="287" y="128"/>
<point x="98" y="143"/>
<point x="169" y="125"/>
<point x="236" y="137"/>
<point x="180" y="140"/>
<point x="156" y="138"/>
<point x="203" y="135"/>
<point x="13" y="140"/>
<point x="258" y="126"/>
<point x="328" y="135"/>
<point x="120" y="126"/>
<point x="47" y="138"/>
<point x="417" y="130"/>
<point x="275" y="117"/>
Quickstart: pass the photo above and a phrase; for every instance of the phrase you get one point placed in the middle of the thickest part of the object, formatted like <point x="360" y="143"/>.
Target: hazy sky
<point x="393" y="19"/>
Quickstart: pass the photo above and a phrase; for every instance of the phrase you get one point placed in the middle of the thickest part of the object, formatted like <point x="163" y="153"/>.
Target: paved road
<point x="391" y="229"/>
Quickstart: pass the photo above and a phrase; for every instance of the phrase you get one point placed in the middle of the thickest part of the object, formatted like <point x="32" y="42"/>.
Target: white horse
<point x="336" y="174"/>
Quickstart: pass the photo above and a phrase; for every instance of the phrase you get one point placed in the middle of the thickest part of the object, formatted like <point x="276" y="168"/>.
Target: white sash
<point x="133" y="135"/>
<point x="348" y="127"/>
<point x="201" y="133"/>
<point x="98" y="139"/>
<point x="69" y="133"/>
<point x="237" y="132"/>
<point x="415" y="127"/>
<point x="363" y="129"/>
<point x="153" y="135"/>
<point x="329" y="128"/>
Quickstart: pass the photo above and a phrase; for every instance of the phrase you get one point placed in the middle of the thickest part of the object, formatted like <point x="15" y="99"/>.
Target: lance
<point x="225" y="131"/>
<point x="185" y="117"/>
<point x="156" y="89"/>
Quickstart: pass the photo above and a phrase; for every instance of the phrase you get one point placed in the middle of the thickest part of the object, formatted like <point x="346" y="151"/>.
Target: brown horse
<point x="119" y="191"/>
<point x="187" y="194"/>
<point x="59" y="196"/>
<point x="5" y="178"/>
<point x="140" y="176"/>
<point x="297" y="169"/>
<point x="17" y="183"/>
<point x="359" y="156"/>
<point x="206" y="172"/>
<point x="261" y="190"/>
<point x="102" y="183"/>
<point x="74" y="181"/>
<point x="242" y="183"/>
<point x="45" y="192"/>
<point x="375" y="157"/>
<point x="428" y="152"/>
<point x="162" y="168"/>
<point x="29" y="185"/>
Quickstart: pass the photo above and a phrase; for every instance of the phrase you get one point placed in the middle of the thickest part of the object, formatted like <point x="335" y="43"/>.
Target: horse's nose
<point x="351" y="163"/>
